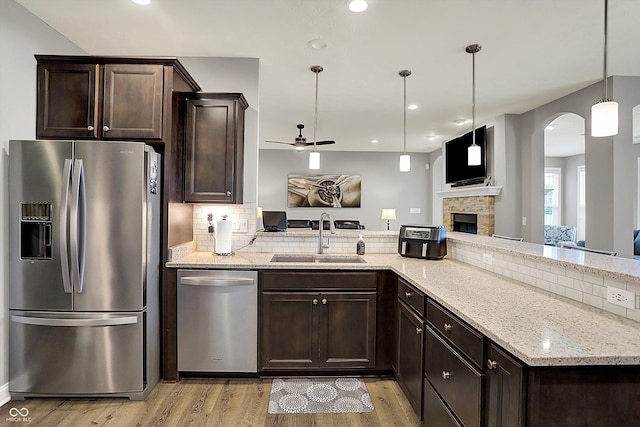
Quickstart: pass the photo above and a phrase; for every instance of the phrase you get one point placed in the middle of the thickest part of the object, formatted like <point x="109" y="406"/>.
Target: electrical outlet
<point x="487" y="259"/>
<point x="524" y="220"/>
<point x="621" y="297"/>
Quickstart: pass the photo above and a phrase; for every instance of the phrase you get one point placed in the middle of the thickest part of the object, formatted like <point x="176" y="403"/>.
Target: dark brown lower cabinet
<point x="435" y="412"/>
<point x="318" y="330"/>
<point x="505" y="389"/>
<point x="409" y="367"/>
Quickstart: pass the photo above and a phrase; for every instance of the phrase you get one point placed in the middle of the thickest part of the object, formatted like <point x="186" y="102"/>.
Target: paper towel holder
<point x="223" y="238"/>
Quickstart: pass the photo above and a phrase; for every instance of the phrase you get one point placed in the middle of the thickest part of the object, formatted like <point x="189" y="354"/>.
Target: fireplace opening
<point x="466" y="223"/>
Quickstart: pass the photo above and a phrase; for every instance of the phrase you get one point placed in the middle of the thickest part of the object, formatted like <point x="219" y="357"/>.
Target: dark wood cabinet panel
<point x="436" y="413"/>
<point x="214" y="148"/>
<point x="505" y="389"/>
<point x="67" y="104"/>
<point x="132" y="99"/>
<point x="289" y="330"/>
<point x="348" y="329"/>
<point x="410" y="356"/>
<point x="412" y="297"/>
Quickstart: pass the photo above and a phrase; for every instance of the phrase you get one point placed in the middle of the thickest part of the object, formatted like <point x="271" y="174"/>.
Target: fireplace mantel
<point x="470" y="192"/>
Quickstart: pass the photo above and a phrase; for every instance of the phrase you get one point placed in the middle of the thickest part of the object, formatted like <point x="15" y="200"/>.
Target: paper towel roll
<point x="223" y="237"/>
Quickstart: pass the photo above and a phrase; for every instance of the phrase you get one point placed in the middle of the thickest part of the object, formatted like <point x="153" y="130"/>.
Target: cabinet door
<point x="409" y="362"/>
<point x="505" y="381"/>
<point x="289" y="338"/>
<point x="133" y="96"/>
<point x="67" y="101"/>
<point x="348" y="329"/>
<point x="213" y="151"/>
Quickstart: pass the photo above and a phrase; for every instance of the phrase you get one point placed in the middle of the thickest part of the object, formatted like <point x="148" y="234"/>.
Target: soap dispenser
<point x="360" y="245"/>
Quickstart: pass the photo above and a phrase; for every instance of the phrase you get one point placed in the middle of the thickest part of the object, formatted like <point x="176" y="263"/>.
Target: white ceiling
<point x="533" y="52"/>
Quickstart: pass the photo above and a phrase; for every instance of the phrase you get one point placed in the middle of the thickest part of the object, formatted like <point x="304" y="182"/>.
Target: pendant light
<point x="474" y="152"/>
<point x="314" y="156"/>
<point x="604" y="114"/>
<point x="405" y="159"/>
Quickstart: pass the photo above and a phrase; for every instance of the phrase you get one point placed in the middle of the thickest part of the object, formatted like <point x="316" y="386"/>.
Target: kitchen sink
<point x="317" y="258"/>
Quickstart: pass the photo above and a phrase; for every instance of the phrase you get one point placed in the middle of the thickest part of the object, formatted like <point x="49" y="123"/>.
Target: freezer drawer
<point x="76" y="353"/>
<point x="217" y="321"/>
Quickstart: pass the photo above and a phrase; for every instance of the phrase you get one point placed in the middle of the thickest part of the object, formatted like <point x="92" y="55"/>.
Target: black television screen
<point x="458" y="172"/>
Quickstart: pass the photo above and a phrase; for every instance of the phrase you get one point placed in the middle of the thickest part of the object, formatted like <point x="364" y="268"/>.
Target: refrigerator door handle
<point x="77" y="231"/>
<point x="41" y="321"/>
<point x="208" y="281"/>
<point x="63" y="218"/>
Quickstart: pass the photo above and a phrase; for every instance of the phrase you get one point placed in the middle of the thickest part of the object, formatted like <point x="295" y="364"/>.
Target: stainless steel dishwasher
<point x="218" y="321"/>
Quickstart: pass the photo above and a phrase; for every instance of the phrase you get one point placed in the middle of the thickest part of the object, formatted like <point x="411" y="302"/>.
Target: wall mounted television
<point x="458" y="173"/>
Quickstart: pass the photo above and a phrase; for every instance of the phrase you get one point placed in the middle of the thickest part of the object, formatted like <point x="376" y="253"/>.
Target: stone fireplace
<point x="482" y="207"/>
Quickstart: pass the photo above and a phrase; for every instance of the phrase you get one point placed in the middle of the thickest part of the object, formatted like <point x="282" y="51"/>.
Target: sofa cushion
<point x="556" y="234"/>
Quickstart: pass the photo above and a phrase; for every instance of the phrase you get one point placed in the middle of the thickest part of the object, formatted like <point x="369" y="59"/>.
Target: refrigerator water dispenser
<point x="35" y="230"/>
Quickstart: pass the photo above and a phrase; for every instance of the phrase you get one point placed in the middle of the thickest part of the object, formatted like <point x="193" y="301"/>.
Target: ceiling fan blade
<point x="321" y="142"/>
<point x="279" y="142"/>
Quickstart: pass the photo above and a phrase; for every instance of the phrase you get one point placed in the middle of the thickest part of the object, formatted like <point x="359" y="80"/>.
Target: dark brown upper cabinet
<point x="110" y="98"/>
<point x="214" y="147"/>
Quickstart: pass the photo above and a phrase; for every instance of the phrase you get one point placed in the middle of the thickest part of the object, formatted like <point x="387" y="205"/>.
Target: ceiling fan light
<point x="604" y="119"/>
<point x="405" y="163"/>
<point x="314" y="160"/>
<point x="474" y="155"/>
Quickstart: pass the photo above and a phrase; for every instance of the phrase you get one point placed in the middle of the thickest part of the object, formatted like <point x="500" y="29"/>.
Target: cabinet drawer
<point x="318" y="280"/>
<point x="468" y="341"/>
<point x="411" y="296"/>
<point x="435" y="412"/>
<point x="459" y="383"/>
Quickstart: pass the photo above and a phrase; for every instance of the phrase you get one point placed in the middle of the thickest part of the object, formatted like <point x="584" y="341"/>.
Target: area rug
<point x="319" y="396"/>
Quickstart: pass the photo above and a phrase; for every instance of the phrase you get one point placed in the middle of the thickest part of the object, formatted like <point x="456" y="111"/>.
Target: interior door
<point x="112" y="226"/>
<point x="37" y="218"/>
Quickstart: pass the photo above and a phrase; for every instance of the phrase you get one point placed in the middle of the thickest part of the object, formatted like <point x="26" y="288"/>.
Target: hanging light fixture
<point x="405" y="159"/>
<point x="474" y="152"/>
<point x="604" y="114"/>
<point x="314" y="156"/>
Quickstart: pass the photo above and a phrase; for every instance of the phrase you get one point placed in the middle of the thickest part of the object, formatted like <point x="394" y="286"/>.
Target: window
<point x="552" y="196"/>
<point x="582" y="203"/>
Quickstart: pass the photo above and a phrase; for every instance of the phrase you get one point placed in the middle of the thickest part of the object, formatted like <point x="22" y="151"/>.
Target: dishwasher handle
<point x="225" y="282"/>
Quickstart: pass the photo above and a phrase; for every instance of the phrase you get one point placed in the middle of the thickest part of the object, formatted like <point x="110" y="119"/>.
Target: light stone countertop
<point x="538" y="327"/>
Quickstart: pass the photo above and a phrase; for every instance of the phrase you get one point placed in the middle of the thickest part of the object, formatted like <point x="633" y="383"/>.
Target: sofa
<point x="556" y="234"/>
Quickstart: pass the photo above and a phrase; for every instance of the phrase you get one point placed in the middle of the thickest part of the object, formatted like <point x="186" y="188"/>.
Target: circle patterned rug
<point x="319" y="396"/>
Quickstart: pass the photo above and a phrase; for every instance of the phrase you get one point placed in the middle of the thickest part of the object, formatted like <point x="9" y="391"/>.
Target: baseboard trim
<point x="4" y="394"/>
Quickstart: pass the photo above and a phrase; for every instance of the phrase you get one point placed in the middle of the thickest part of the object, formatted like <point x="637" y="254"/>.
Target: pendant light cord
<point x="404" y="111"/>
<point x="315" y="125"/>
<point x="473" y="98"/>
<point x="604" y="73"/>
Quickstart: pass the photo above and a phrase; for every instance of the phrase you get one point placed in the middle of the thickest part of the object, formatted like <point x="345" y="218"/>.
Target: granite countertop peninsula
<point x="538" y="327"/>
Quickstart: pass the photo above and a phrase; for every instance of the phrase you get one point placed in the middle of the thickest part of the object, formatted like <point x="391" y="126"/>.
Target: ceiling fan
<point x="301" y="142"/>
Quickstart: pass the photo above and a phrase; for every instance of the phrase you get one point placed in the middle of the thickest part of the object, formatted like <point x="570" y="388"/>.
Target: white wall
<point x="383" y="185"/>
<point x="21" y="36"/>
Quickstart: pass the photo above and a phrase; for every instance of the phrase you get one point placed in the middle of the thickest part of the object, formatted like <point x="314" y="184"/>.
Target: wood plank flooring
<point x="209" y="402"/>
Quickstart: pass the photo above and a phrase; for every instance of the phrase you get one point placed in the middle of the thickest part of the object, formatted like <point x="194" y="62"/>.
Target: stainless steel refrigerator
<point x="84" y="255"/>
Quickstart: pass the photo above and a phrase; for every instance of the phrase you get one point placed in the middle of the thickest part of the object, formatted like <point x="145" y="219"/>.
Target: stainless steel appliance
<point x="218" y="321"/>
<point x="84" y="231"/>
<point x="422" y="241"/>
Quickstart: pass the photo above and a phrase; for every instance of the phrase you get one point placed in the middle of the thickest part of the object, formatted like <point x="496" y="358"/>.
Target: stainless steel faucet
<point x="332" y="228"/>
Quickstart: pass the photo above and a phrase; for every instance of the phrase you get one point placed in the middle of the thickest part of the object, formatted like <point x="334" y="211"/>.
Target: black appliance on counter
<point x="422" y="241"/>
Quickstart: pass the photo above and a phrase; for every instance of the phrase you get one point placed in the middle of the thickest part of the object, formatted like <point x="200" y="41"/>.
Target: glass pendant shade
<point x="604" y="119"/>
<point x="474" y="155"/>
<point x="405" y="163"/>
<point x="314" y="160"/>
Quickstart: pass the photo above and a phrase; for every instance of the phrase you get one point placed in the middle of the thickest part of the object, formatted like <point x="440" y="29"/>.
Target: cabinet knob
<point x="407" y="294"/>
<point x="418" y="331"/>
<point x="228" y="193"/>
<point x="447" y="327"/>
<point x="446" y="375"/>
<point x="492" y="364"/>
<point x="90" y="128"/>
<point x="324" y="301"/>
<point x="315" y="301"/>
<point x="106" y="128"/>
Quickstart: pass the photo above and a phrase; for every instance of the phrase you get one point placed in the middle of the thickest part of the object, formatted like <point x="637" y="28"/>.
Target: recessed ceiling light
<point x="374" y="141"/>
<point x="431" y="137"/>
<point x="460" y="122"/>
<point x="317" y="44"/>
<point x="142" y="2"/>
<point x="550" y="127"/>
<point x="412" y="107"/>
<point x="358" y="5"/>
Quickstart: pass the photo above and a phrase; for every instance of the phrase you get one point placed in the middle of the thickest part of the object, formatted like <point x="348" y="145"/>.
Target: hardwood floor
<point x="209" y="402"/>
